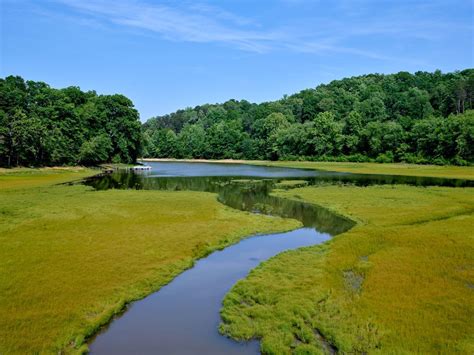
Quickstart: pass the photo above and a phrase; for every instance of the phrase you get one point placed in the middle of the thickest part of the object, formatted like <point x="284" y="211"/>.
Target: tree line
<point x="42" y="126"/>
<point x="416" y="118"/>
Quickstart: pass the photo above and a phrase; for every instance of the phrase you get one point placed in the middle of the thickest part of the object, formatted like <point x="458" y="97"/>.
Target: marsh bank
<point x="188" y="308"/>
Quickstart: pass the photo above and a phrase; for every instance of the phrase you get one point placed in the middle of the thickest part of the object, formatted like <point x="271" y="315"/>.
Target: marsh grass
<point x="34" y="177"/>
<point x="291" y="184"/>
<point x="398" y="282"/>
<point x="71" y="257"/>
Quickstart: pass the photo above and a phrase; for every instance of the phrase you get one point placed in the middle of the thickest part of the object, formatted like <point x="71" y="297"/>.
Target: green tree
<point x="166" y="144"/>
<point x="414" y="103"/>
<point x="40" y="125"/>
<point x="372" y="109"/>
<point x="95" y="150"/>
<point x="294" y="141"/>
<point x="225" y="140"/>
<point x="327" y="137"/>
<point x="352" y="131"/>
<point x="193" y="141"/>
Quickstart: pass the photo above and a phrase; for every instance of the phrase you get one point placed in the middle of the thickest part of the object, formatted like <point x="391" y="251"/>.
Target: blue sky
<point x="167" y="55"/>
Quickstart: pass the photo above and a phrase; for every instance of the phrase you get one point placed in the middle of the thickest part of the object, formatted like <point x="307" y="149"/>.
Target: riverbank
<point x="401" y="281"/>
<point x="36" y="177"/>
<point x="448" y="171"/>
<point x="72" y="257"/>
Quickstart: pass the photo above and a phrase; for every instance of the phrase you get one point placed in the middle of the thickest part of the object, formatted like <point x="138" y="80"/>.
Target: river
<point x="183" y="316"/>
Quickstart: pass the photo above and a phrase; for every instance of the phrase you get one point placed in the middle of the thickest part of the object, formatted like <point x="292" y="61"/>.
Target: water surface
<point x="183" y="316"/>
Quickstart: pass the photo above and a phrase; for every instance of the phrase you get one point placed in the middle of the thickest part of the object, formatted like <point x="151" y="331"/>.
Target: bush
<point x="413" y="159"/>
<point x="357" y="158"/>
<point x="385" y="158"/>
<point x="461" y="162"/>
<point x="116" y="159"/>
<point x="440" y="161"/>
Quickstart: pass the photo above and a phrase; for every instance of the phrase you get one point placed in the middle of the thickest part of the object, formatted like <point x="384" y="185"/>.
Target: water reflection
<point x="249" y="188"/>
<point x="246" y="195"/>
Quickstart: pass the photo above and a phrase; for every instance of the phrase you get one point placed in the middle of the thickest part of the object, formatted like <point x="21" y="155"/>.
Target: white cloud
<point x="202" y="23"/>
<point x="196" y="23"/>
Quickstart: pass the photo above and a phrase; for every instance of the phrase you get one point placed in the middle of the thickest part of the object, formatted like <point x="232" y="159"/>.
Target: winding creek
<point x="183" y="316"/>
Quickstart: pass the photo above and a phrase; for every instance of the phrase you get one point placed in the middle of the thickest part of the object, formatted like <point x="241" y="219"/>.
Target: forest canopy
<point x="41" y="126"/>
<point x="416" y="118"/>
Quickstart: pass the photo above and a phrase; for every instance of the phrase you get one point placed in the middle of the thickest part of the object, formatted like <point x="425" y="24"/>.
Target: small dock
<point x="140" y="168"/>
<point x="108" y="169"/>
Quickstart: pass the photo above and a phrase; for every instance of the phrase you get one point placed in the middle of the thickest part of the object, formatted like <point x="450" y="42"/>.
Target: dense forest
<point x="41" y="126"/>
<point x="416" y="118"/>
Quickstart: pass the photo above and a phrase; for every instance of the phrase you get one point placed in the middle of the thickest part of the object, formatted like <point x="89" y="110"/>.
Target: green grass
<point x="401" y="281"/>
<point x="30" y="177"/>
<point x="71" y="257"/>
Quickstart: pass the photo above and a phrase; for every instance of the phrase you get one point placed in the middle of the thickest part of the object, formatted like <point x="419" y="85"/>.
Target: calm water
<point x="174" y="169"/>
<point x="183" y="317"/>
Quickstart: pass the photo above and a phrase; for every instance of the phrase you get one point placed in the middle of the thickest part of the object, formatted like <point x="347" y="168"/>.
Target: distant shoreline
<point x="227" y="161"/>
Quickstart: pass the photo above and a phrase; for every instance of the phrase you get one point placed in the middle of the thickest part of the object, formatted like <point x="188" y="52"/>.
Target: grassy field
<point x="71" y="257"/>
<point x="26" y="177"/>
<point x="401" y="281"/>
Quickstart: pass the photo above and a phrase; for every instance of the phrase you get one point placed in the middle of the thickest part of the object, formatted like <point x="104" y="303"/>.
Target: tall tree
<point x="40" y="125"/>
